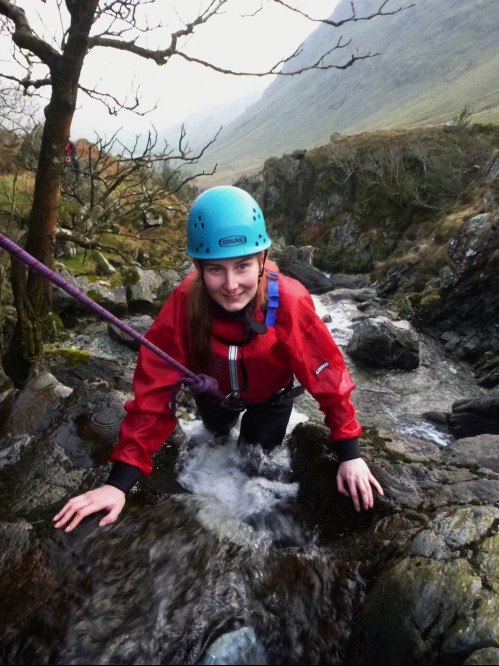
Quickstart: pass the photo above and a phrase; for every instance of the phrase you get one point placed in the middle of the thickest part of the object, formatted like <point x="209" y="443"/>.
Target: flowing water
<point x="225" y="571"/>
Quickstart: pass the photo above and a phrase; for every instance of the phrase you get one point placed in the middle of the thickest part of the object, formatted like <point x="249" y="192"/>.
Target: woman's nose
<point x="230" y="281"/>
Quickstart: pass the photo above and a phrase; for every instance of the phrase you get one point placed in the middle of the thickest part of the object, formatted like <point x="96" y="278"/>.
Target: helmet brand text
<point x="228" y="241"/>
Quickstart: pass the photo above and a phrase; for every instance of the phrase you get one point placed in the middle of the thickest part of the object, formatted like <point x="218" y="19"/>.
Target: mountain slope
<point x="435" y="58"/>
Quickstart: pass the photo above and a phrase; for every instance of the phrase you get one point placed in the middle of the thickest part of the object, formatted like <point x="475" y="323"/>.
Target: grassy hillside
<point x="434" y="59"/>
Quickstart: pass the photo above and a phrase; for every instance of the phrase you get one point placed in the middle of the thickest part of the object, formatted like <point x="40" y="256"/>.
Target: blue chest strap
<point x="272" y="298"/>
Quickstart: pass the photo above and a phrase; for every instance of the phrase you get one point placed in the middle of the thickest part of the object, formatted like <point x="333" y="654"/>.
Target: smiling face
<point x="232" y="283"/>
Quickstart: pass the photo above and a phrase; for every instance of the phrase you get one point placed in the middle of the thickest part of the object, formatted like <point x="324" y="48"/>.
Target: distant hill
<point x="435" y="58"/>
<point x="202" y="127"/>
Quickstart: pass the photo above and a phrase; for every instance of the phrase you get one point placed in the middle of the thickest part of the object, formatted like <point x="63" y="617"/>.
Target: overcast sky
<point x="181" y="88"/>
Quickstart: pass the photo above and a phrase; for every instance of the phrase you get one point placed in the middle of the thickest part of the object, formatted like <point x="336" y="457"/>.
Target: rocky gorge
<point x="416" y="211"/>
<point x="230" y="557"/>
<point x="283" y="556"/>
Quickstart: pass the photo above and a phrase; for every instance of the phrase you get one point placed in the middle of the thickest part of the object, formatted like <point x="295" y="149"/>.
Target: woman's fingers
<point x="375" y="483"/>
<point x="355" y="479"/>
<point x="69" y="509"/>
<point x="111" y="517"/>
<point x="79" y="516"/>
<point x="107" y="498"/>
<point x="341" y="487"/>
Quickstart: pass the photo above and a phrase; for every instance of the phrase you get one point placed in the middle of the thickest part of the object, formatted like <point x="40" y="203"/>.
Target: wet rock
<point x="363" y="295"/>
<point x="236" y="647"/>
<point x="485" y="656"/>
<point x="65" y="449"/>
<point x="297" y="263"/>
<point x="347" y="281"/>
<point x="432" y="605"/>
<point x="30" y="412"/>
<point x="474" y="416"/>
<point x="141" y="324"/>
<point x="479" y="451"/>
<point x="314" y="280"/>
<point x="380" y="343"/>
<point x="487" y="369"/>
<point x="72" y="366"/>
<point x="16" y="542"/>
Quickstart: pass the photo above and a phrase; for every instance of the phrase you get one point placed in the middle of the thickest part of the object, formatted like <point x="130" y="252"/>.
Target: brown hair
<point x="200" y="318"/>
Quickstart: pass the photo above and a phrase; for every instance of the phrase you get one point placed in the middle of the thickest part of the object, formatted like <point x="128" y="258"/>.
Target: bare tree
<point x="19" y="122"/>
<point x="120" y="181"/>
<point x="124" y="25"/>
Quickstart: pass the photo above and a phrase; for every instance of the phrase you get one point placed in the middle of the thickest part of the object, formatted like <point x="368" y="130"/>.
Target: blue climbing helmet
<point x="225" y="222"/>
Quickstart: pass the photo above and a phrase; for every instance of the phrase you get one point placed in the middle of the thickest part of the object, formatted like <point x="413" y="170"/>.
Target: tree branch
<point x="350" y="19"/>
<point x="26" y="82"/>
<point x="114" y="105"/>
<point x="24" y="37"/>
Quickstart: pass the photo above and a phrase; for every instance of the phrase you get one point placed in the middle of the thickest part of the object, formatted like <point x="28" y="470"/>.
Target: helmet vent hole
<point x="199" y="218"/>
<point x="256" y="243"/>
<point x="202" y="225"/>
<point x="201" y="244"/>
<point x="260" y="235"/>
<point x="195" y="226"/>
<point x="207" y="250"/>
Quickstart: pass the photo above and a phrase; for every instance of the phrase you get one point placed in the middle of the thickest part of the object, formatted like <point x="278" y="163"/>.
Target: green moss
<point x="430" y="305"/>
<point x="71" y="356"/>
<point x="94" y="295"/>
<point x="404" y="306"/>
<point x="52" y="327"/>
<point x="130" y="277"/>
<point x="372" y="436"/>
<point x="82" y="263"/>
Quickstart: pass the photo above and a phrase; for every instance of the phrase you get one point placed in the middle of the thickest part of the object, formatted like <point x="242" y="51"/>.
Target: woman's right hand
<point x="107" y="498"/>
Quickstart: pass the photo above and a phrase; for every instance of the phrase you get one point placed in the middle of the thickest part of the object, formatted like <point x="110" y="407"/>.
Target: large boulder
<point x="474" y="416"/>
<point x="381" y="343"/>
<point x="431" y="541"/>
<point x="106" y="292"/>
<point x="141" y="324"/>
<point x="439" y="603"/>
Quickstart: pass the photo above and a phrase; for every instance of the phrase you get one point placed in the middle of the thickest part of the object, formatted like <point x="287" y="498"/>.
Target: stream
<point x="225" y="569"/>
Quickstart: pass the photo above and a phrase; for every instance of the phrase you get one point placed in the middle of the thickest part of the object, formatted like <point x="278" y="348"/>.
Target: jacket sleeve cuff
<point x="123" y="476"/>
<point x="347" y="449"/>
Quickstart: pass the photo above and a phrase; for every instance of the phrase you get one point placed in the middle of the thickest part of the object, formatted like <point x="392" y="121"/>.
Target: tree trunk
<point x="32" y="296"/>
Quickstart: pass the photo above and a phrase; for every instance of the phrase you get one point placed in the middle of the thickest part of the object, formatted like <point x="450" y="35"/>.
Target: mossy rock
<point x="404" y="305"/>
<point x="487" y="370"/>
<point x="130" y="276"/>
<point x="430" y="305"/>
<point x="71" y="356"/>
<point x="52" y="328"/>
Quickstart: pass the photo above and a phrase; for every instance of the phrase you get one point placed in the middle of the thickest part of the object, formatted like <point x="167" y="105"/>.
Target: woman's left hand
<point x="355" y="480"/>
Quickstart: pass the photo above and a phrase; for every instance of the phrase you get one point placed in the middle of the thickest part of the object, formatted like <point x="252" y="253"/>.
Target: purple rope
<point x="196" y="383"/>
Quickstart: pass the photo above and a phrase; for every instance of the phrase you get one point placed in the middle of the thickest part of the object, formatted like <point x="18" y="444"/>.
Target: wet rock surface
<point x="381" y="343"/>
<point x="177" y="577"/>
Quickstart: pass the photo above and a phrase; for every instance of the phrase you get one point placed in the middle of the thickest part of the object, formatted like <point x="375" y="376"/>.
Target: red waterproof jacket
<point x="299" y="344"/>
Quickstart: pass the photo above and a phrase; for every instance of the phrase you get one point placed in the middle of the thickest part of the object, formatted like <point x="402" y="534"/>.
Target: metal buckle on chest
<point x="234" y="401"/>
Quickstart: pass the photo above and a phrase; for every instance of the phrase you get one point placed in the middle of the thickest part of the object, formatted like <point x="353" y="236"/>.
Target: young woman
<point x="251" y="329"/>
